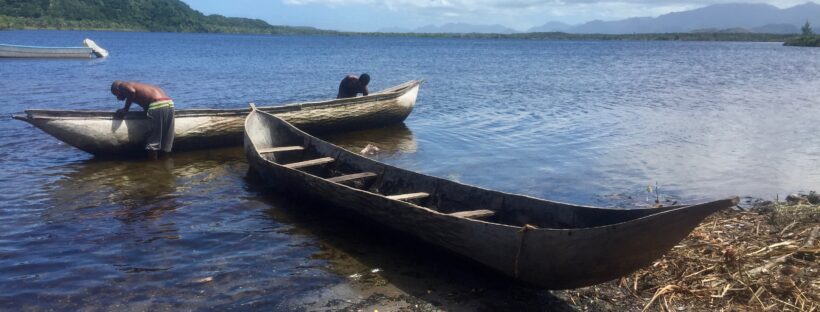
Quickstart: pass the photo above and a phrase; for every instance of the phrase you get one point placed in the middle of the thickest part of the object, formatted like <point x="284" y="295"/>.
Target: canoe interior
<point x="443" y="196"/>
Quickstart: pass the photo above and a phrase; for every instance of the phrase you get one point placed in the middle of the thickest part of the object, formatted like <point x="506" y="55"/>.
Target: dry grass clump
<point x="767" y="260"/>
<point x="798" y="212"/>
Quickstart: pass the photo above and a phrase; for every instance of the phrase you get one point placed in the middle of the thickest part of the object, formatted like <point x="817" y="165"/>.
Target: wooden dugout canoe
<point x="90" y="50"/>
<point x="538" y="242"/>
<point x="97" y="132"/>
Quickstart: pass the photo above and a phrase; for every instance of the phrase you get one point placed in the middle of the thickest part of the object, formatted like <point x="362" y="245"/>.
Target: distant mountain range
<point x="759" y="18"/>
<point x="718" y="18"/>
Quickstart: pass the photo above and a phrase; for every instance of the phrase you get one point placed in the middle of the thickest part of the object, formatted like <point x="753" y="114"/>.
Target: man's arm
<point x="364" y="91"/>
<point x="128" y="93"/>
<point x="127" y="106"/>
<point x="121" y="112"/>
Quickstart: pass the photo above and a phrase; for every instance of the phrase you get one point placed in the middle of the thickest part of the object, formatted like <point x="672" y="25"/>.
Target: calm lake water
<point x="583" y="122"/>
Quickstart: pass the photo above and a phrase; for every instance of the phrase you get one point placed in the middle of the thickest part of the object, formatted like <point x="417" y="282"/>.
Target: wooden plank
<point x="309" y="163"/>
<point x="351" y="177"/>
<point x="280" y="149"/>
<point x="408" y="196"/>
<point x="474" y="214"/>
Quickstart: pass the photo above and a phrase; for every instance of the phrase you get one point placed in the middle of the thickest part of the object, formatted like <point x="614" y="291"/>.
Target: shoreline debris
<point x="763" y="259"/>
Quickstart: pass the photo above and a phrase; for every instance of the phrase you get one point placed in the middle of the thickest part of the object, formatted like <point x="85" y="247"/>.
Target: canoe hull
<point x="12" y="51"/>
<point x="98" y="133"/>
<point x="617" y="243"/>
<point x="104" y="137"/>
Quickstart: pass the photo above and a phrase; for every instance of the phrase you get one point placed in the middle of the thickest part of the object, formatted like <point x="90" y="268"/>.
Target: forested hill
<point x="146" y="15"/>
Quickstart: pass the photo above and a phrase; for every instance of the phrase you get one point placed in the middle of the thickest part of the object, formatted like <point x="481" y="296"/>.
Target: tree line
<point x="806" y="39"/>
<point x="148" y="15"/>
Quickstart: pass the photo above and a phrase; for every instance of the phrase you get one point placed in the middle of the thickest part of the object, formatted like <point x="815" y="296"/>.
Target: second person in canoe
<point x="352" y="86"/>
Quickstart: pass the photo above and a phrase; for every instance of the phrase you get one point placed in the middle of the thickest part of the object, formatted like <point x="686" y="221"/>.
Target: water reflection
<point x="143" y="189"/>
<point x="121" y="231"/>
<point x="140" y="189"/>
<point x="136" y="184"/>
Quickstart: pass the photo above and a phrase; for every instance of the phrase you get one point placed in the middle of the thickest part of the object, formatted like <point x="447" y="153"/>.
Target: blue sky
<point x="372" y="15"/>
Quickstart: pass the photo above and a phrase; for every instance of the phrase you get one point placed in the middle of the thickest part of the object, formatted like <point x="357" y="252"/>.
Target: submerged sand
<point x="766" y="258"/>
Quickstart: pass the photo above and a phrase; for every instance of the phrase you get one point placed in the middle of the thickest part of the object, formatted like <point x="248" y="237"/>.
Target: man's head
<point x="115" y="90"/>
<point x="364" y="79"/>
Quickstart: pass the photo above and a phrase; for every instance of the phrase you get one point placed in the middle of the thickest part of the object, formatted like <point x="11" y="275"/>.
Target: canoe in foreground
<point x="90" y="50"/>
<point x="542" y="243"/>
<point x="97" y="132"/>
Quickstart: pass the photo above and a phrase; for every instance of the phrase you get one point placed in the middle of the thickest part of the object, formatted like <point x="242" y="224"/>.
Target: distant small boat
<point x="91" y="49"/>
<point x="97" y="132"/>
<point x="538" y="242"/>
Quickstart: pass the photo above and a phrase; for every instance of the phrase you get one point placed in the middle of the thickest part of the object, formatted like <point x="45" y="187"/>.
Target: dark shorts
<point x="161" y="135"/>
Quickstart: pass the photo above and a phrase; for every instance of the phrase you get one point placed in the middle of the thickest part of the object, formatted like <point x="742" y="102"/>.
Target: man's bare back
<point x="134" y="92"/>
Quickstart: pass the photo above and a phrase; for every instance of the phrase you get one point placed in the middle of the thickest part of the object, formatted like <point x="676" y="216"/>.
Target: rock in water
<point x="794" y="199"/>
<point x="370" y="149"/>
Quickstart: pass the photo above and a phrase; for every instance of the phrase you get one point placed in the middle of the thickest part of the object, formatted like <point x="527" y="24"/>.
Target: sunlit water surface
<point x="583" y="122"/>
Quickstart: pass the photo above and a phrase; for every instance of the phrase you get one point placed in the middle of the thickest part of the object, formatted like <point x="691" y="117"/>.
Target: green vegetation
<point x="807" y="39"/>
<point x="141" y="15"/>
<point x="176" y="16"/>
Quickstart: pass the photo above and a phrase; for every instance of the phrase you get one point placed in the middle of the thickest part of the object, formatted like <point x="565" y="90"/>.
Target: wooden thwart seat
<point x="280" y="149"/>
<point x="352" y="177"/>
<point x="474" y="214"/>
<point x="408" y="196"/>
<point x="309" y="163"/>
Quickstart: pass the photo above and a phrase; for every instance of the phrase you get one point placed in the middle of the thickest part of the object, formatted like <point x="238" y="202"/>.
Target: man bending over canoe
<point x="351" y="86"/>
<point x="158" y="107"/>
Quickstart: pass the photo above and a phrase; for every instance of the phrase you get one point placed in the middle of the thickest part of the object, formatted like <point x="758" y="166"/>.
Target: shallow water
<point x="583" y="122"/>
